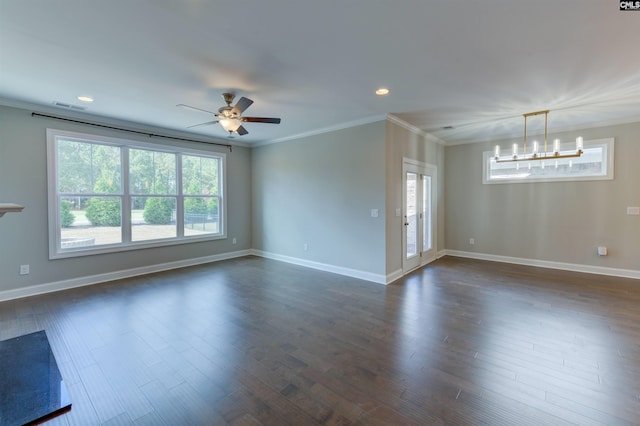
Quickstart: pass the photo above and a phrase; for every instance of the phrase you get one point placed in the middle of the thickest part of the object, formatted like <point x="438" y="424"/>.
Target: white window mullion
<point x="180" y="197"/>
<point x="222" y="194"/>
<point x="53" y="194"/>
<point x="126" y="196"/>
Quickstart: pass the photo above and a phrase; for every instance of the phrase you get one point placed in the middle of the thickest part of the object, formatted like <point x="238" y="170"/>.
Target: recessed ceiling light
<point x="85" y="98"/>
<point x="382" y="91"/>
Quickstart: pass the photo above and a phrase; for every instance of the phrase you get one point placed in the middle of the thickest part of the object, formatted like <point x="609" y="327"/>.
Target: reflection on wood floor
<point x="256" y="341"/>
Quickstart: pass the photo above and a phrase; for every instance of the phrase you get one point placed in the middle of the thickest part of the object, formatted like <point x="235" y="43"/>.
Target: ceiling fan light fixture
<point x="230" y="117"/>
<point x="230" y="124"/>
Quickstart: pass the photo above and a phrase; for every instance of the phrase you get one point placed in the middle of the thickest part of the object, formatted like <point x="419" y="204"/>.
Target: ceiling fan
<point x="230" y="117"/>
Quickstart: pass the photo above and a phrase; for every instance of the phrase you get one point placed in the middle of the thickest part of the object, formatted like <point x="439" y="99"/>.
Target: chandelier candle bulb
<point x="538" y="152"/>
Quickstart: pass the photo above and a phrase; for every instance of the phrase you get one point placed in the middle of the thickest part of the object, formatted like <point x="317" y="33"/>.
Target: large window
<point x="596" y="163"/>
<point x="110" y="194"/>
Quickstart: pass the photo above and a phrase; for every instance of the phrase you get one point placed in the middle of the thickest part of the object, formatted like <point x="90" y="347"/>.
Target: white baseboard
<point x="600" y="270"/>
<point x="354" y="273"/>
<point x="115" y="275"/>
<point x="394" y="276"/>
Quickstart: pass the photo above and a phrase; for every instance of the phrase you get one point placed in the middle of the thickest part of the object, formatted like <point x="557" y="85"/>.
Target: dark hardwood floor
<point x="253" y="341"/>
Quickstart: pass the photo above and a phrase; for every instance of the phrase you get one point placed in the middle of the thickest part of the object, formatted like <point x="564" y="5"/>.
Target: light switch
<point x="633" y="211"/>
<point x="397" y="212"/>
<point x="374" y="212"/>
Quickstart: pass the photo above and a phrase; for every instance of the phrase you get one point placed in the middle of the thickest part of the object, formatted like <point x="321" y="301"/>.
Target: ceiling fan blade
<point x="196" y="109"/>
<point x="242" y="131"/>
<point x="208" y="123"/>
<point x="261" y="120"/>
<point x="242" y="104"/>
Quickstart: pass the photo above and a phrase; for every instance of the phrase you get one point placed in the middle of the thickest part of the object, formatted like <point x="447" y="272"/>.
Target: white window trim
<point x="53" y="208"/>
<point x="608" y="143"/>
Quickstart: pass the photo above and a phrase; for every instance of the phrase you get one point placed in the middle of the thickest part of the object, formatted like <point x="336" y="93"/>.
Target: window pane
<point x="153" y="218"/>
<point x="412" y="214"/>
<point x="88" y="168"/>
<point x="592" y="164"/>
<point x="426" y="213"/>
<point x="90" y="221"/>
<point x="200" y="175"/>
<point x="152" y="172"/>
<point x="201" y="215"/>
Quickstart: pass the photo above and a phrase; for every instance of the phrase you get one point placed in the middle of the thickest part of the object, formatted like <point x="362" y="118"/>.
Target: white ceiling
<point x="474" y="65"/>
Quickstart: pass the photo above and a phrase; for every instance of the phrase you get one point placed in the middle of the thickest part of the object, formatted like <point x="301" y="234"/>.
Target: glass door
<point x="419" y="216"/>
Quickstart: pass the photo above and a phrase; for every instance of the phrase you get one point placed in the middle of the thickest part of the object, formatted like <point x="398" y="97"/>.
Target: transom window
<point x="109" y="194"/>
<point x="596" y="163"/>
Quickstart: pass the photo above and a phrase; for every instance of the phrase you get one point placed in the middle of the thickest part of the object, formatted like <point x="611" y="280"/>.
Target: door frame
<point x="424" y="257"/>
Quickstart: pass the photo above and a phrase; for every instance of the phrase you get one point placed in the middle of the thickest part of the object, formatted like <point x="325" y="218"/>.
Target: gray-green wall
<point x="24" y="236"/>
<point x="554" y="221"/>
<point x="405" y="143"/>
<point x="319" y="190"/>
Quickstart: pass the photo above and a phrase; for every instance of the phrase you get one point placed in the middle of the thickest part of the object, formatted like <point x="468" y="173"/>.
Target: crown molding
<point x="415" y="130"/>
<point x="555" y="130"/>
<point x="335" y="127"/>
<point x="108" y="121"/>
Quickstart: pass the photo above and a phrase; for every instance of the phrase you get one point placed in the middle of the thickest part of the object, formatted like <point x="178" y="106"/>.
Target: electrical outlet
<point x="234" y="241"/>
<point x="472" y="241"/>
<point x="24" y="269"/>
<point x="633" y="211"/>
<point x="306" y="246"/>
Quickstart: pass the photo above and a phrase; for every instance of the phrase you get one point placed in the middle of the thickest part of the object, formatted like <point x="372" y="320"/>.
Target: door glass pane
<point x="411" y="222"/>
<point x="426" y="213"/>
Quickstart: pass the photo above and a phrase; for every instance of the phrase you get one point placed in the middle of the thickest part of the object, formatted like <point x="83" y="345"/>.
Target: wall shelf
<point x="10" y="207"/>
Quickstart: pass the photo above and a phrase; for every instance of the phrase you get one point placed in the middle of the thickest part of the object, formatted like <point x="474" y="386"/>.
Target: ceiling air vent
<point x="69" y="106"/>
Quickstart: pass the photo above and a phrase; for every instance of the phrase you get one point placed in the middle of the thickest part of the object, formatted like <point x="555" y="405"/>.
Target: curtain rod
<point x="151" y="135"/>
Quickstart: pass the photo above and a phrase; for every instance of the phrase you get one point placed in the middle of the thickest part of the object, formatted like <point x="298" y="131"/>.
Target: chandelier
<point x="536" y="153"/>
